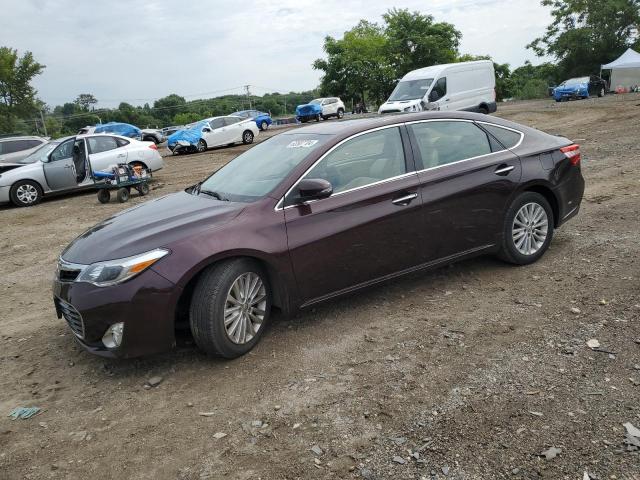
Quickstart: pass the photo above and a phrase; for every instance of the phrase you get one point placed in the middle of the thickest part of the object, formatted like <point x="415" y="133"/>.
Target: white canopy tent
<point x="625" y="71"/>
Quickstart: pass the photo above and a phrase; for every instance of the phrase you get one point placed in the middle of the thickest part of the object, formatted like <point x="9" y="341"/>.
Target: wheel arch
<point x="280" y="298"/>
<point x="549" y="195"/>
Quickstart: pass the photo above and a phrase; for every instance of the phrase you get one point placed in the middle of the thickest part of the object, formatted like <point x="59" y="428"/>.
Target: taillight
<point x="153" y="146"/>
<point x="572" y="152"/>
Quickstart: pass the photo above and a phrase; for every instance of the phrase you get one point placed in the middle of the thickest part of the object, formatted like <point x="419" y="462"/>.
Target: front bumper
<point x="572" y="95"/>
<point x="146" y="304"/>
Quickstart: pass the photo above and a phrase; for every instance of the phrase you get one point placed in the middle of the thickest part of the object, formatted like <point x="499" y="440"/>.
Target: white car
<point x="320" y="108"/>
<point x="213" y="132"/>
<point x="66" y="164"/>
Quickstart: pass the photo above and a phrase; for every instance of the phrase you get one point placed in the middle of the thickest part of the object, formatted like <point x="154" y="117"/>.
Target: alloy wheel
<point x="27" y="193"/>
<point x="244" y="308"/>
<point x="530" y="228"/>
<point x="248" y="137"/>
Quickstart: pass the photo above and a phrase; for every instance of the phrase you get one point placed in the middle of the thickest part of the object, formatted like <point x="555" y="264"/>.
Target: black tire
<point x="202" y="146"/>
<point x="206" y="312"/>
<point x="317" y="118"/>
<point x="104" y="196"/>
<point x="303" y="120"/>
<point x="264" y="125"/>
<point x="143" y="189"/>
<point x="509" y="252"/>
<point x="122" y="195"/>
<point x="25" y="193"/>
<point x="340" y="113"/>
<point x="601" y="92"/>
<point x="247" y="137"/>
<point x="483" y="109"/>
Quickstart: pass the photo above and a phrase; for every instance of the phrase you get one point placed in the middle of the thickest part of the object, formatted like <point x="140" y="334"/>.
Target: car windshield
<point x="256" y="172"/>
<point x="243" y="114"/>
<point x="575" y="81"/>
<point x="40" y="154"/>
<point x="410" y="89"/>
<point x="316" y="101"/>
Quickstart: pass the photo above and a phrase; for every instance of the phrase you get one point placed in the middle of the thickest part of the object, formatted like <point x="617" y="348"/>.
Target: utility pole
<point x="44" y="125"/>
<point x="248" y="93"/>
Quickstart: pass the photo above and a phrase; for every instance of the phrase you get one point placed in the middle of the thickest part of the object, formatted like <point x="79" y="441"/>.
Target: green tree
<point x="85" y="101"/>
<point x="585" y="34"/>
<point x="168" y="106"/>
<point x="17" y="95"/>
<point x="417" y="41"/>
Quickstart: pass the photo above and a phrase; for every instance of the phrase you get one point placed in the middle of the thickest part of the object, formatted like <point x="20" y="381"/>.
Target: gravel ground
<point x="466" y="372"/>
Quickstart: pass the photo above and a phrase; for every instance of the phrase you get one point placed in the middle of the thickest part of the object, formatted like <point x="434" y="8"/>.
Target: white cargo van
<point x="454" y="86"/>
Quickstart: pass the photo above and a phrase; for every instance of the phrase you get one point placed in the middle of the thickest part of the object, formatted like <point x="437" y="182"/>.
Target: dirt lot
<point x="474" y="369"/>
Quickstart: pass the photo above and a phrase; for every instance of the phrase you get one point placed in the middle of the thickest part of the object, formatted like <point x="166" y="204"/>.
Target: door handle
<point x="405" y="199"/>
<point x="504" y="170"/>
<point x="447" y="99"/>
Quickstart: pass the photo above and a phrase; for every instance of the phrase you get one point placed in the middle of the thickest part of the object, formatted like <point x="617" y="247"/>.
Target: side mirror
<point x="434" y="96"/>
<point x="206" y="130"/>
<point x="313" y="189"/>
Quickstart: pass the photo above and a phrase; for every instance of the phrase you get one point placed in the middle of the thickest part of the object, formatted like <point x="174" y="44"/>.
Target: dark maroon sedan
<point x="311" y="214"/>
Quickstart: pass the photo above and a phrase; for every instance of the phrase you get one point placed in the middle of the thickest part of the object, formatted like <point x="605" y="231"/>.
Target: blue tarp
<point x="192" y="134"/>
<point x="123" y="129"/>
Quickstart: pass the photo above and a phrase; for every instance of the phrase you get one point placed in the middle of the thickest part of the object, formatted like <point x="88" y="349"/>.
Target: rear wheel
<point x="601" y="93"/>
<point x="317" y="117"/>
<point x="528" y="229"/>
<point x="340" y="113"/>
<point x="230" y="308"/>
<point x="25" y="193"/>
<point x="483" y="109"/>
<point x="264" y="125"/>
<point x="202" y="146"/>
<point x="143" y="189"/>
<point x="122" y="195"/>
<point x="104" y="195"/>
<point x="247" y="137"/>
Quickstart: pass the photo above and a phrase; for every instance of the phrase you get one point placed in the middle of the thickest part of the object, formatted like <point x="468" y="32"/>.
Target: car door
<point x="218" y="135"/>
<point x="59" y="170"/>
<point x="105" y="152"/>
<point x="466" y="180"/>
<point x="369" y="228"/>
<point x="233" y="128"/>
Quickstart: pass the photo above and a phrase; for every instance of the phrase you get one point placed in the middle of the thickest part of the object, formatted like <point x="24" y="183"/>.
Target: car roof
<point x="362" y="124"/>
<point x="23" y="137"/>
<point x="434" y="70"/>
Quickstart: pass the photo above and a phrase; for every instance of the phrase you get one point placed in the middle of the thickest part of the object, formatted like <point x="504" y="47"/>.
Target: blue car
<point x="263" y="120"/>
<point x="580" y="87"/>
<point x="309" y="111"/>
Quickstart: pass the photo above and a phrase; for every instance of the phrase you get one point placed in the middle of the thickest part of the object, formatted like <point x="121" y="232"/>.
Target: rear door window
<point x="445" y="142"/>
<point x="508" y="138"/>
<point x="101" y="144"/>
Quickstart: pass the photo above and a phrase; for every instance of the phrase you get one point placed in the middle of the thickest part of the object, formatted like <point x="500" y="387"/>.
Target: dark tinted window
<point x="231" y="120"/>
<point x="440" y="87"/>
<point x="441" y="143"/>
<point x="122" y="142"/>
<point x="101" y="144"/>
<point x="366" y="159"/>
<point x="13" y="146"/>
<point x="508" y="138"/>
<point x="64" y="150"/>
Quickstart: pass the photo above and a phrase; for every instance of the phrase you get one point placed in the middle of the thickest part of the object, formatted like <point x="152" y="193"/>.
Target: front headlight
<point x="111" y="272"/>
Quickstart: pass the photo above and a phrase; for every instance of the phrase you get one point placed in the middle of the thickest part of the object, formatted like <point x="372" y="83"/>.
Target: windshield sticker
<point x="302" y="144"/>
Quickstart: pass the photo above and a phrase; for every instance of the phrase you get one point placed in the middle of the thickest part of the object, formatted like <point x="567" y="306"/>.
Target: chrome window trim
<point x="506" y="128"/>
<point x="279" y="205"/>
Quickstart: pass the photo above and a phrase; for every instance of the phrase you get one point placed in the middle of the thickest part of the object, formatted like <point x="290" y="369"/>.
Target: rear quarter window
<point x="508" y="138"/>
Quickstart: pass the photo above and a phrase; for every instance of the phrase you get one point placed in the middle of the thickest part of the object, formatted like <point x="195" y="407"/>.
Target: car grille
<point x="306" y="110"/>
<point x="72" y="316"/>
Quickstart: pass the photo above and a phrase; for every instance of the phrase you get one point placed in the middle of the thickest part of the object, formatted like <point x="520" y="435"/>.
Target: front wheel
<point x="528" y="229"/>
<point x="264" y="125"/>
<point x="230" y="308"/>
<point x="247" y="137"/>
<point x="340" y="113"/>
<point x="25" y="193"/>
<point x="601" y="92"/>
<point x="202" y="146"/>
<point x="317" y="117"/>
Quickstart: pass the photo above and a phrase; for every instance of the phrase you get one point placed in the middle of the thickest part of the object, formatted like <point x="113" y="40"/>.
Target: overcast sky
<point x="139" y="51"/>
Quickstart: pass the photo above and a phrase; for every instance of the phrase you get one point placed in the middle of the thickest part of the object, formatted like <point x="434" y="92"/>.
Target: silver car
<point x="13" y="149"/>
<point x="66" y="164"/>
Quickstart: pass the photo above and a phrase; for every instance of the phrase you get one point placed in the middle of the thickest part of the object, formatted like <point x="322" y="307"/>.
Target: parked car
<point x="117" y="128"/>
<point x="580" y="87"/>
<point x="320" y="108"/>
<point x="14" y="149"/>
<point x="153" y="135"/>
<point x="309" y="215"/>
<point x="65" y="165"/>
<point x="213" y="132"/>
<point x="468" y="86"/>
<point x="167" y="131"/>
<point x="263" y="120"/>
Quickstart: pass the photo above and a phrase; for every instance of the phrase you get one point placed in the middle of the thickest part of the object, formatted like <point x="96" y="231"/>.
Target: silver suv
<point x="14" y="149"/>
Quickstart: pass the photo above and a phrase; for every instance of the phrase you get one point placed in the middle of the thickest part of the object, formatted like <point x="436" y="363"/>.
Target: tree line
<point x="362" y="66"/>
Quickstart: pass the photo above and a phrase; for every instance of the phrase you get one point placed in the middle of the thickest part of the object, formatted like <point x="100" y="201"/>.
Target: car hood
<point x="154" y="224"/>
<point x="309" y="106"/>
<point x="571" y="88"/>
<point x="6" y="166"/>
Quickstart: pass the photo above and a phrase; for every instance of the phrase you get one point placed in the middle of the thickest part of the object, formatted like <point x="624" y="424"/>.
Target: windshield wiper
<point x="213" y="194"/>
